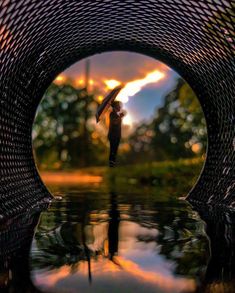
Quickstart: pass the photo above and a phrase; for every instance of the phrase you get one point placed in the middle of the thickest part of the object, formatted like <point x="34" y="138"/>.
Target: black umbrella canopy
<point x="104" y="106"/>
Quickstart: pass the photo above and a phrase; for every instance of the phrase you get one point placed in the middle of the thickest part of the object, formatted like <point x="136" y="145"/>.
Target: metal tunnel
<point x="41" y="38"/>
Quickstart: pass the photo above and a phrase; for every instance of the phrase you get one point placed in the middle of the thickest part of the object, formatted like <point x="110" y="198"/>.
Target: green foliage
<point x="177" y="131"/>
<point x="65" y="135"/>
<point x="178" y="176"/>
<point x="61" y="133"/>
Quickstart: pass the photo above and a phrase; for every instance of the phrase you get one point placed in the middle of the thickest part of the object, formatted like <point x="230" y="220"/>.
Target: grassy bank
<point x="177" y="175"/>
<point x="160" y="172"/>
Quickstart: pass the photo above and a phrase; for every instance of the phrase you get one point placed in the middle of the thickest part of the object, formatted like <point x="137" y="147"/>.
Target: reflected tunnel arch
<point x="39" y="39"/>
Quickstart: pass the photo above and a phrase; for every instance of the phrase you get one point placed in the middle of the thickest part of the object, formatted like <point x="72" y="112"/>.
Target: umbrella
<point x="103" y="107"/>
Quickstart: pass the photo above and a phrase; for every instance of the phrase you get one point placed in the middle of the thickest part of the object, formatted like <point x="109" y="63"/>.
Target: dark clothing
<point x="114" y="143"/>
<point x="115" y="122"/>
<point x="114" y="136"/>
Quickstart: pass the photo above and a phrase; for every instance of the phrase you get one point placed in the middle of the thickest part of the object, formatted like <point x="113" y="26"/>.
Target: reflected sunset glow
<point x="103" y="267"/>
<point x="124" y="265"/>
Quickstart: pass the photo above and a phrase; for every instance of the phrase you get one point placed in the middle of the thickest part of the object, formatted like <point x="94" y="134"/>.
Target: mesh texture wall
<point x="40" y="38"/>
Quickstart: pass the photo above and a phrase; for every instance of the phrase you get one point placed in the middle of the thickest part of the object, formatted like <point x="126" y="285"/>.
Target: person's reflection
<point x="113" y="228"/>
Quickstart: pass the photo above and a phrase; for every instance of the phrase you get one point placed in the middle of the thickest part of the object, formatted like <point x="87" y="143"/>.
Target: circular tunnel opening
<point x="38" y="39"/>
<point x="48" y="36"/>
<point x="163" y="136"/>
<point x="127" y="218"/>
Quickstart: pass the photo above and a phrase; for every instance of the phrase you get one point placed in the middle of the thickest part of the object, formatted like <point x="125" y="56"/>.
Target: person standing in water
<point x="114" y="134"/>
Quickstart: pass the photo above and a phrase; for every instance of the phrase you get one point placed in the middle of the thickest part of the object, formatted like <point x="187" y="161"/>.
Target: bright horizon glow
<point x="127" y="120"/>
<point x="133" y="87"/>
<point x="112" y="83"/>
<point x="130" y="89"/>
<point x="109" y="70"/>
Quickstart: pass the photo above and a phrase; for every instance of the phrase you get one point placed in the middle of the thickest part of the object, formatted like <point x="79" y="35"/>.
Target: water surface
<point x="118" y="239"/>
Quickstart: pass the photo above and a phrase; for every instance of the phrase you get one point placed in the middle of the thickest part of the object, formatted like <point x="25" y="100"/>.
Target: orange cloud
<point x="133" y="87"/>
<point x="119" y="66"/>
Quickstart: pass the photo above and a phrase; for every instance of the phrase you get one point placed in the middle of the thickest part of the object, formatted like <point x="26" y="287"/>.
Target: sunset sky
<point x="127" y="67"/>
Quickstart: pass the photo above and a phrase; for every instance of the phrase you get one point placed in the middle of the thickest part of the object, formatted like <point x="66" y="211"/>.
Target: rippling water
<point x="125" y="239"/>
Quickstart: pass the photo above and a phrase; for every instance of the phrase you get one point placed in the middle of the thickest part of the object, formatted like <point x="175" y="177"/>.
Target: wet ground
<point x="119" y="239"/>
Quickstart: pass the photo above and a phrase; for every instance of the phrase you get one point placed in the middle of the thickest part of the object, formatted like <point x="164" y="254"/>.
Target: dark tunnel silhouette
<point x="39" y="39"/>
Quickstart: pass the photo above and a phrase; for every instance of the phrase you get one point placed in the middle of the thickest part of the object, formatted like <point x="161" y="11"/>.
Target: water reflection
<point x="220" y="272"/>
<point x="107" y="242"/>
<point x="113" y="228"/>
<point x="15" y="240"/>
<point x="111" y="242"/>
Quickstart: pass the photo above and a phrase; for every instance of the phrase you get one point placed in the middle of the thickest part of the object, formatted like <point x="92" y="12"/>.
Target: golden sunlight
<point x="104" y="267"/>
<point x="91" y="82"/>
<point x="133" y="87"/>
<point x="196" y="147"/>
<point x="79" y="82"/>
<point x="112" y="83"/>
<point x="100" y="98"/>
<point x="60" y="79"/>
<point x="127" y="120"/>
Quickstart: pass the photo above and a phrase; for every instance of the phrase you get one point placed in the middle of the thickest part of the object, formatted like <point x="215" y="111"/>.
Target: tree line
<point x="65" y="134"/>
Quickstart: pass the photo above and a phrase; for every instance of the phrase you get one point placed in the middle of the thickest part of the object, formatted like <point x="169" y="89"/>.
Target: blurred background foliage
<point x="66" y="136"/>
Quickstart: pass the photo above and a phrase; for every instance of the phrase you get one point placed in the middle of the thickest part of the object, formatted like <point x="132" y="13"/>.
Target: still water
<point x="118" y="239"/>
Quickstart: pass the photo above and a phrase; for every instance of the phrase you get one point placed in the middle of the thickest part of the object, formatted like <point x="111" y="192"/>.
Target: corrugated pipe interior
<point x="41" y="38"/>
